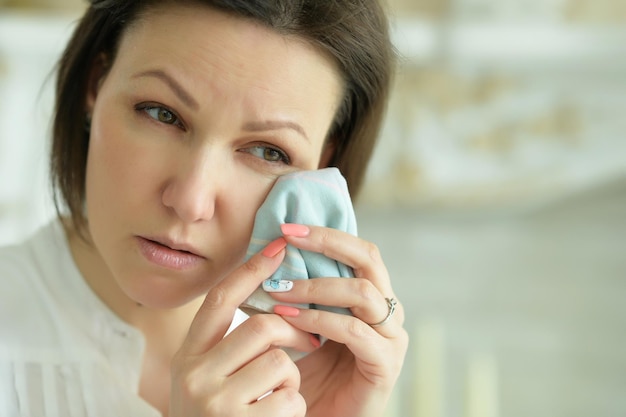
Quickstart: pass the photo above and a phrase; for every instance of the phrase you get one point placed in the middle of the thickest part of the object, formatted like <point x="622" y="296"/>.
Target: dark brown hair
<point x="354" y="33"/>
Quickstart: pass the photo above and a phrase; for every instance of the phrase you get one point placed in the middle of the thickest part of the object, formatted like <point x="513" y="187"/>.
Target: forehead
<point x="189" y="25"/>
<point x="222" y="54"/>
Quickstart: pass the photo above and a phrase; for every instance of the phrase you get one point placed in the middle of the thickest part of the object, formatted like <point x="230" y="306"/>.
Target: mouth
<point x="169" y="255"/>
<point x="180" y="247"/>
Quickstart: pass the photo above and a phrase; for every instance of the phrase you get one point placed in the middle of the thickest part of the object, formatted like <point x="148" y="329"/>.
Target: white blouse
<point x="63" y="352"/>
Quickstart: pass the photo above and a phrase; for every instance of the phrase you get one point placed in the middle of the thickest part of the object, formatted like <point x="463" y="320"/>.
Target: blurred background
<point x="497" y="195"/>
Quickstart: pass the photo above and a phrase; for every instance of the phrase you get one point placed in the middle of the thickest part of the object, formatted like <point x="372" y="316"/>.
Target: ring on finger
<point x="391" y="305"/>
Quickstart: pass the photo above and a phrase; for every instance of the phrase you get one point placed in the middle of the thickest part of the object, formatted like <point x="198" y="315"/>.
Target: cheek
<point x="100" y="172"/>
<point x="243" y="204"/>
<point x="115" y="169"/>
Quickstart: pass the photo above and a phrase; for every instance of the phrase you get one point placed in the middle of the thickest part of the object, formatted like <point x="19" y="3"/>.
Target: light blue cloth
<point x="316" y="198"/>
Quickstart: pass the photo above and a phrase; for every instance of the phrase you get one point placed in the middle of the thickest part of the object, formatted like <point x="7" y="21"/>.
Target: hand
<point x="352" y="374"/>
<point x="213" y="375"/>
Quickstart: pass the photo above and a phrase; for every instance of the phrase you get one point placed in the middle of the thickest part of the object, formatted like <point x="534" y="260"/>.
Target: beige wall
<point x="500" y="103"/>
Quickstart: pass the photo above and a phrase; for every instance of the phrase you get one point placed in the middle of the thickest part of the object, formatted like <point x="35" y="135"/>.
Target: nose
<point x="191" y="191"/>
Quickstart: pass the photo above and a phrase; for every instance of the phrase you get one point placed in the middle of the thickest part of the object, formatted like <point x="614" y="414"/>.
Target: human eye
<point x="161" y="114"/>
<point x="269" y="154"/>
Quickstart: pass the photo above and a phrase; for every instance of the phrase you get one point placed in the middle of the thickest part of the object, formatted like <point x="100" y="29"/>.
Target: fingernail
<point x="314" y="340"/>
<point x="286" y="311"/>
<point x="273" y="285"/>
<point x="274" y="248"/>
<point x="296" y="230"/>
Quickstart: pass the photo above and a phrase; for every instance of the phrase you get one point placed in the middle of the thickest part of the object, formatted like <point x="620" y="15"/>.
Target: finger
<point x="359" y="295"/>
<point x="219" y="306"/>
<point x="273" y="370"/>
<point x="378" y="356"/>
<point x="286" y="402"/>
<point x="360" y="338"/>
<point x="362" y="256"/>
<point x="241" y="367"/>
<point x="252" y="339"/>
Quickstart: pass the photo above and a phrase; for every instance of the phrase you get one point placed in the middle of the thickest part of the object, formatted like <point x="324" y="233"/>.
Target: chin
<point x="164" y="293"/>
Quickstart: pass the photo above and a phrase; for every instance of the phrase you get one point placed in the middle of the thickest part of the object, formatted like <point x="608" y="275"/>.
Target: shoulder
<point x="21" y="264"/>
<point x="18" y="269"/>
<point x="25" y="273"/>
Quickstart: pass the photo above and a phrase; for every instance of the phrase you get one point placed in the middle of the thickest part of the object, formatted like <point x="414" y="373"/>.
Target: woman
<point x="173" y="120"/>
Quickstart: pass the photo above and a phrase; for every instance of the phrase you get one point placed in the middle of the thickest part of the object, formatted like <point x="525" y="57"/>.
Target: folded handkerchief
<point x="316" y="198"/>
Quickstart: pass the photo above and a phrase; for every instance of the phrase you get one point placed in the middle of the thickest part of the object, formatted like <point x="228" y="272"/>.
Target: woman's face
<point x="197" y="116"/>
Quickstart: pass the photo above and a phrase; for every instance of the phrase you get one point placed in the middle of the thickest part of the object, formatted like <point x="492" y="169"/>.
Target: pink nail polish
<point x="274" y="248"/>
<point x="296" y="230"/>
<point x="314" y="341"/>
<point x="286" y="311"/>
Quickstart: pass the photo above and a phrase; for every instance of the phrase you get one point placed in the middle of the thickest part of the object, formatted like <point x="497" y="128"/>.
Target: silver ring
<point x="391" y="304"/>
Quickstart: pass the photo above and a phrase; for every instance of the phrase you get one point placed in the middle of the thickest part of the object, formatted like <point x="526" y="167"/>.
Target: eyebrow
<point x="266" y="125"/>
<point x="180" y="92"/>
<point x="185" y="97"/>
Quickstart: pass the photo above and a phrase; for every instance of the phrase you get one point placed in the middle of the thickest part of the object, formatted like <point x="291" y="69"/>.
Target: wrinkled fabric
<point x="314" y="198"/>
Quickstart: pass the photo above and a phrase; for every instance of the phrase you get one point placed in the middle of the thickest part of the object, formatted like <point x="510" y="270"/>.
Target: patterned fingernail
<point x="286" y="311"/>
<point x="295" y="230"/>
<point x="274" y="285"/>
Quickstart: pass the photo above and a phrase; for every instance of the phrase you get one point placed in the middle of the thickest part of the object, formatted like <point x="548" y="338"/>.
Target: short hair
<point x="355" y="33"/>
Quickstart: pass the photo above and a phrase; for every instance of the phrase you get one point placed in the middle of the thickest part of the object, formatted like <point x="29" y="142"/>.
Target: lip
<point x="167" y="254"/>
